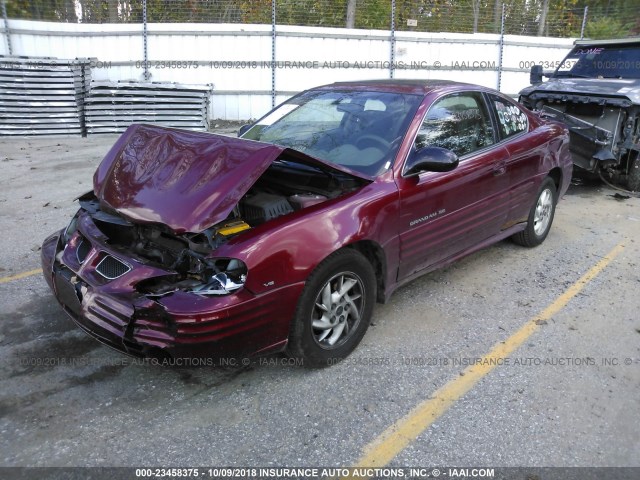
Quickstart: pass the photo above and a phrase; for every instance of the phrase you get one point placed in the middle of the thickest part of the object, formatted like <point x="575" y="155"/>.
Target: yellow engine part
<point x="233" y="228"/>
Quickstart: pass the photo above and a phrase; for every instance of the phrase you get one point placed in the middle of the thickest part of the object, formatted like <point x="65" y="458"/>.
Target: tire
<point x="328" y="326"/>
<point x="540" y="216"/>
<point x="633" y="179"/>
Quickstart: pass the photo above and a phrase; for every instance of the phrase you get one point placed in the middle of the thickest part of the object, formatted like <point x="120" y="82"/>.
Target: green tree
<point x="612" y="19"/>
<point x="53" y="10"/>
<point x="606" y="27"/>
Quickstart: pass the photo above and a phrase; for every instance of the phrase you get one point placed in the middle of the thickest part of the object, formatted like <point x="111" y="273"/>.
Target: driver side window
<point x="457" y="122"/>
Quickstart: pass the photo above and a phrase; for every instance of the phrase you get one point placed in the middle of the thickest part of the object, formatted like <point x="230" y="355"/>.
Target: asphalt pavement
<point x="565" y="394"/>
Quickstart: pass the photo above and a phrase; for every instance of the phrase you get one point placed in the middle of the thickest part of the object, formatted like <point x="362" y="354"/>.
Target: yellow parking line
<point x="399" y="435"/>
<point x="18" y="276"/>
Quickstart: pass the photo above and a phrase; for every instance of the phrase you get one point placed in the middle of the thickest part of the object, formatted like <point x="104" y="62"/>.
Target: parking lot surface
<point x="567" y="396"/>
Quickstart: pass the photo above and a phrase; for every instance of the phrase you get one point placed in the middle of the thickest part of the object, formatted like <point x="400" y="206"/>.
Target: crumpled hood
<point x="609" y="87"/>
<point x="186" y="180"/>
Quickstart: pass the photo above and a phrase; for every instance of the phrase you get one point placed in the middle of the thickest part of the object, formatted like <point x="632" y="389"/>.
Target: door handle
<point x="500" y="168"/>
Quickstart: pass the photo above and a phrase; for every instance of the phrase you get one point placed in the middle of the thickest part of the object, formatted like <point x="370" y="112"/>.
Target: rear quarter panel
<point x="532" y="157"/>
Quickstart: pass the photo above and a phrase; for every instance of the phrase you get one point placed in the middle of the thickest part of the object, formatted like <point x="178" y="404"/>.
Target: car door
<point x="523" y="164"/>
<point x="445" y="213"/>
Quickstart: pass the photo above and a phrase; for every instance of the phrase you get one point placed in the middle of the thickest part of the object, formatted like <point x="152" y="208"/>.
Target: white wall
<point x="242" y="92"/>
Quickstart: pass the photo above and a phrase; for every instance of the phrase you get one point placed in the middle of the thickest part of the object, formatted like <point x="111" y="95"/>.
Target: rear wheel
<point x="633" y="179"/>
<point x="334" y="309"/>
<point x="540" y="216"/>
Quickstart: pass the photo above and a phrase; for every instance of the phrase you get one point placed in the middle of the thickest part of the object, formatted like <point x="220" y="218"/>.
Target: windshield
<point x="610" y="61"/>
<point x="355" y="129"/>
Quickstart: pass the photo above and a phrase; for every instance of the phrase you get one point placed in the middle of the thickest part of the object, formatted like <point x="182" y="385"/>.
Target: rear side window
<point x="511" y="119"/>
<point x="459" y="123"/>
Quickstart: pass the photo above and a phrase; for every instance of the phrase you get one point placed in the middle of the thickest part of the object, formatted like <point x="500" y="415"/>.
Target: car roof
<point x="415" y="86"/>
<point x="613" y="41"/>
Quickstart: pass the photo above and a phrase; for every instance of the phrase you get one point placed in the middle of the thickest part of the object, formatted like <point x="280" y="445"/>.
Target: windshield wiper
<point x="569" y="74"/>
<point x="303" y="166"/>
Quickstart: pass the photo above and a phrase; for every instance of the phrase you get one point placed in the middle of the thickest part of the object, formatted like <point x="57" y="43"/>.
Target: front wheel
<point x="540" y="216"/>
<point x="334" y="309"/>
<point x="633" y="179"/>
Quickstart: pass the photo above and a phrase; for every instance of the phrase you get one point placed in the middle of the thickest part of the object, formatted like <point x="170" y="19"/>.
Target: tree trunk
<point x="113" y="11"/>
<point x="475" y="4"/>
<point x="543" y="17"/>
<point x="497" y="15"/>
<point x="351" y="13"/>
<point x="69" y="12"/>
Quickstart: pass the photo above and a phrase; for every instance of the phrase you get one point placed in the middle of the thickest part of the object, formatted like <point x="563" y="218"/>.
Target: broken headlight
<point x="71" y="228"/>
<point x="221" y="276"/>
<point x="225" y="277"/>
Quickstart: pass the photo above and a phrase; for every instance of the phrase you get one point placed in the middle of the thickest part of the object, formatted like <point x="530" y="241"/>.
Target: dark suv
<point x="596" y="92"/>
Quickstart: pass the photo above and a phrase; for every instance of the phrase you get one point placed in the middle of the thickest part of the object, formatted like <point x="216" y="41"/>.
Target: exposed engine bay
<point x="285" y="187"/>
<point x="604" y="133"/>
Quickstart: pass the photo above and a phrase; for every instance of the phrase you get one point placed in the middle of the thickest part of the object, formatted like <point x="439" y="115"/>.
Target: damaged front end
<point x="138" y="265"/>
<point x="142" y="288"/>
<point x="604" y="133"/>
<point x="186" y="255"/>
<point x="596" y="93"/>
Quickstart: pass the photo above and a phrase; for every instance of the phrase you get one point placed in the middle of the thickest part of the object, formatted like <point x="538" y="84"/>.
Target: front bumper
<point x="178" y="325"/>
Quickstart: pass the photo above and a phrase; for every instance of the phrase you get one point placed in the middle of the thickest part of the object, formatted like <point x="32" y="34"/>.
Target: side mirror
<point x="535" y="77"/>
<point x="430" y="159"/>
<point x="243" y="129"/>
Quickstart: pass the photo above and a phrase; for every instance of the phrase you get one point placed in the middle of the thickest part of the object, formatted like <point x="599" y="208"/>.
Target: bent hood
<point x="186" y="180"/>
<point x="627" y="89"/>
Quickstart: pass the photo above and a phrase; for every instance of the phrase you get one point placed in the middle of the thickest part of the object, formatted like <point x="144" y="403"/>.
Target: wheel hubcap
<point x="337" y="310"/>
<point x="542" y="216"/>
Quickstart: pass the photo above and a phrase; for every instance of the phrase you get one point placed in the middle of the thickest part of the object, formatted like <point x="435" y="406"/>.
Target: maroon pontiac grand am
<point x="200" y="245"/>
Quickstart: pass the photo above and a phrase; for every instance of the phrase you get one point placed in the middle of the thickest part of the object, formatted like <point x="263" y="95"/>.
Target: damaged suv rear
<point x="596" y="92"/>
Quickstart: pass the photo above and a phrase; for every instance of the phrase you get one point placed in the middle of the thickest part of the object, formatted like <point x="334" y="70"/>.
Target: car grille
<point x="110" y="267"/>
<point x="84" y="247"/>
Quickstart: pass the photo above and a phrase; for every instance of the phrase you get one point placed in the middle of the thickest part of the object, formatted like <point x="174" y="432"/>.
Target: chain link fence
<point x="221" y="41"/>
<point x="560" y="18"/>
